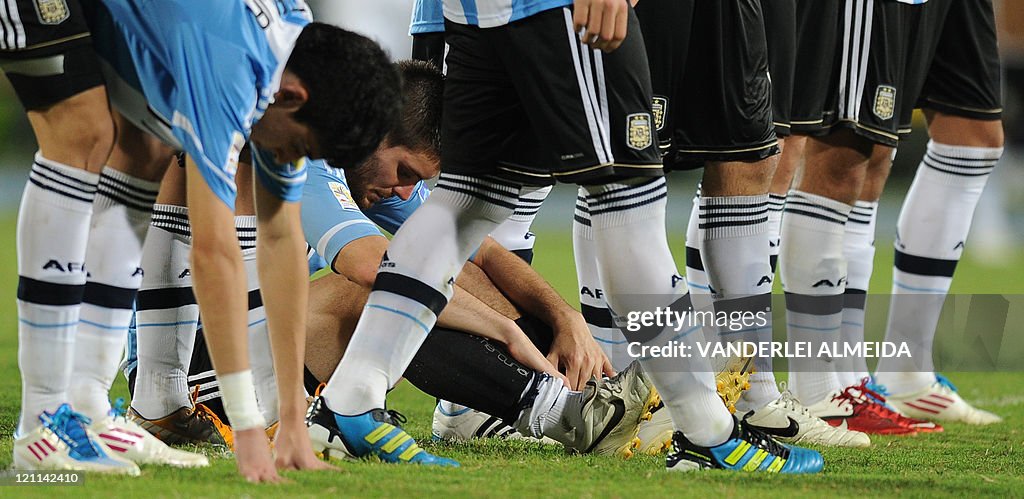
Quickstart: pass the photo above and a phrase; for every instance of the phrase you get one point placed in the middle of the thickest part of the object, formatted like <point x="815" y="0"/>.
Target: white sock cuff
<point x="722" y="217"/>
<point x="173" y="219"/>
<point x="63" y="185"/>
<point x="238" y="393"/>
<point x="626" y="202"/>
<point x="958" y="165"/>
<point x="862" y="220"/>
<point x="817" y="213"/>
<point x="119" y="188"/>
<point x="581" y="226"/>
<point x="245" y="229"/>
<point x="491" y="200"/>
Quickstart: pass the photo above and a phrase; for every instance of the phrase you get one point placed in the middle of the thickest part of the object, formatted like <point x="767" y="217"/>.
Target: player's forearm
<point x="523" y="286"/>
<point x="281" y="262"/>
<point x="467" y="313"/>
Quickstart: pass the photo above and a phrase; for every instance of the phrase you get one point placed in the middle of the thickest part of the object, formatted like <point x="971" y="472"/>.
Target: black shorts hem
<point x="689" y="159"/>
<point x="597" y="174"/>
<point x="879" y="137"/>
<point x="783" y="130"/>
<point x="962" y="111"/>
<point x="80" y="72"/>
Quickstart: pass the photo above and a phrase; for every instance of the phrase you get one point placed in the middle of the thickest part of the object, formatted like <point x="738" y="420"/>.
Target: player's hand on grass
<point x="252" y="454"/>
<point x="576" y="353"/>
<point x="293" y="451"/>
<point x="603" y="22"/>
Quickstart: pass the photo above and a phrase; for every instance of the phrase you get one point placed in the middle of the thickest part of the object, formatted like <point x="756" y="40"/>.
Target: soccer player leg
<point x="859" y="251"/>
<point x="592" y="303"/>
<point x="811" y="261"/>
<point x="65" y="102"/>
<point x="122" y="211"/>
<point x="412" y="287"/>
<point x="962" y="99"/>
<point x="166" y="316"/>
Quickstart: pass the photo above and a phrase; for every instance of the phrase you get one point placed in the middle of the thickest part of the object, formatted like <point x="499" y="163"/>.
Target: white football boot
<point x="64" y="443"/>
<point x="655" y="434"/>
<point x="786" y="419"/>
<point x="457" y="423"/>
<point x="127" y="439"/>
<point x="940" y="402"/>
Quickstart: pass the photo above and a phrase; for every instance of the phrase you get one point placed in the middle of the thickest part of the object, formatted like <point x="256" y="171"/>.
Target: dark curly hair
<point x="354" y="91"/>
<point x="419" y="127"/>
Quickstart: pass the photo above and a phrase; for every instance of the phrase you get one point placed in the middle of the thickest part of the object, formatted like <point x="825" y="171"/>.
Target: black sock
<point x="470" y="371"/>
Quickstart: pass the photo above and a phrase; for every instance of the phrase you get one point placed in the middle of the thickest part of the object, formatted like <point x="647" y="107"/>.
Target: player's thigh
<point x="139" y="153"/>
<point x="47" y="55"/>
<point x="590" y="111"/>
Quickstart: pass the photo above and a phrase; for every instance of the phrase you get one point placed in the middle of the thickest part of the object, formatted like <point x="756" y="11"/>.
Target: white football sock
<point x="514" y="234"/>
<point x="544" y="416"/>
<point x="775" y="205"/>
<point x="734" y="251"/>
<point x="121" y="215"/>
<point x="595" y="310"/>
<point x="859" y="250"/>
<point x="814" y="275"/>
<point x="933" y="225"/>
<point x="413" y="285"/>
<point x="167" y="316"/>
<point x="638" y="274"/>
<point x="696" y="276"/>
<point x="53" y="230"/>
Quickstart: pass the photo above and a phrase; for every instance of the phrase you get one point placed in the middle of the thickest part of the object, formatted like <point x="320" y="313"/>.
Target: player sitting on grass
<point x="206" y="78"/>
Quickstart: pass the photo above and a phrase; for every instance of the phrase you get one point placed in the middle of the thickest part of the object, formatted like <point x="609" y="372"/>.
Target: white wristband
<point x="239" y="396"/>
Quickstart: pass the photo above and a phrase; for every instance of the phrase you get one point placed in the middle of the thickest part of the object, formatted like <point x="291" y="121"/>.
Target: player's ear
<point x="292" y="94"/>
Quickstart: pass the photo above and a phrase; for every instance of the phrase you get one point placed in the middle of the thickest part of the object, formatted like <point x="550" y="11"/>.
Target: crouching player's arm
<point x="358" y="262"/>
<point x="573" y="349"/>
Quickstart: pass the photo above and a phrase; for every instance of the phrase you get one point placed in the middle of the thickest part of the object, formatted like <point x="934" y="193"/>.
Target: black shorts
<point x="780" y="31"/>
<point x="46" y="51"/>
<point x="709" y="70"/>
<point x="849" y="77"/>
<point x="954" y="66"/>
<point x="529" y="103"/>
<point x="429" y="47"/>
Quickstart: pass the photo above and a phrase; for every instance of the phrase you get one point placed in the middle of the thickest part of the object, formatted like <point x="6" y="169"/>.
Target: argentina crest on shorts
<point x="638" y="131"/>
<point x="52" y="12"/>
<point x="659" y="105"/>
<point x="885" y="102"/>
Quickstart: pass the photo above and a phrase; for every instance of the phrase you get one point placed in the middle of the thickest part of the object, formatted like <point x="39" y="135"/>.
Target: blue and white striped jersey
<point x="491" y="13"/>
<point x="208" y="71"/>
<point x="427" y="17"/>
<point x="331" y="219"/>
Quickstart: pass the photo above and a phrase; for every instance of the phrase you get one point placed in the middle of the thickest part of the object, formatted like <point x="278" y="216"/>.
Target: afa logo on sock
<point x="68" y="267"/>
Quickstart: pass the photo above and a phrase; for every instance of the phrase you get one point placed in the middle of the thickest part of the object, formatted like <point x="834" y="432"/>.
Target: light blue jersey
<point x="199" y="74"/>
<point x="331" y="219"/>
<point x="427" y="17"/>
<point x="491" y="13"/>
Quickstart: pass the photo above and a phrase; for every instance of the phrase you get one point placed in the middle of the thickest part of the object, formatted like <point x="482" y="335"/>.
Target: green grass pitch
<point x="963" y="461"/>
